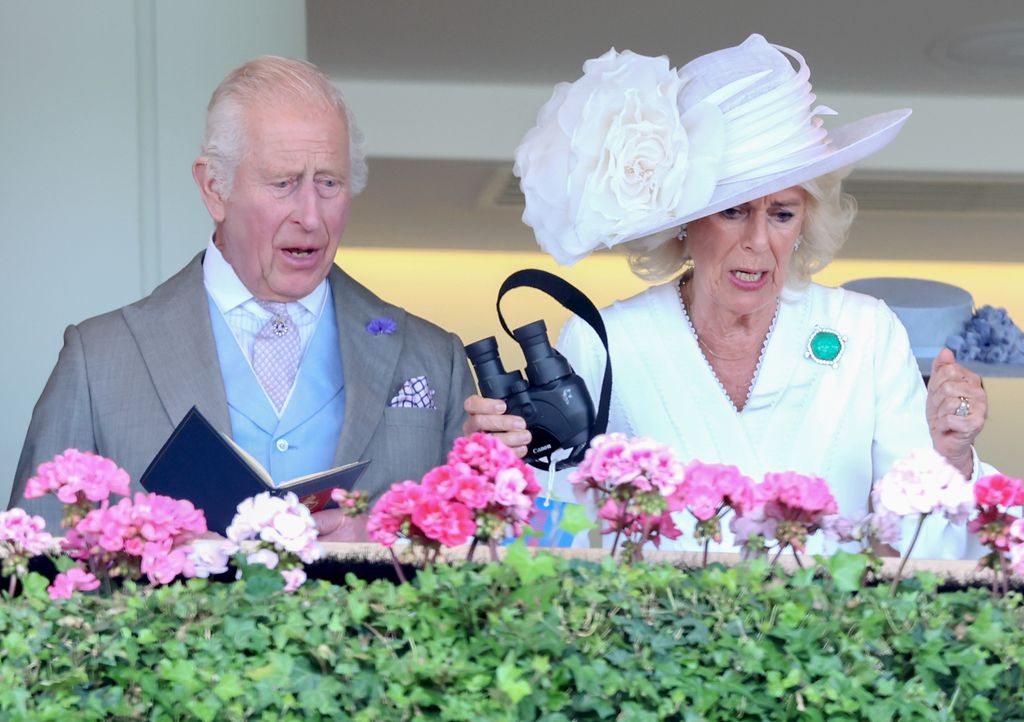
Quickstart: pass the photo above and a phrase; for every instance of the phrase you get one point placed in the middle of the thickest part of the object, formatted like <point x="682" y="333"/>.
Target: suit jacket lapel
<point x="173" y="332"/>
<point x="368" y="361"/>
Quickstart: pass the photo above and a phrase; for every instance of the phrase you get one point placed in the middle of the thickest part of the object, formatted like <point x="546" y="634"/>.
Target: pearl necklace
<point x="702" y="344"/>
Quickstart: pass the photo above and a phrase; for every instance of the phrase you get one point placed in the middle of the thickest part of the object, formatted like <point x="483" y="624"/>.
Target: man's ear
<point x="208" y="188"/>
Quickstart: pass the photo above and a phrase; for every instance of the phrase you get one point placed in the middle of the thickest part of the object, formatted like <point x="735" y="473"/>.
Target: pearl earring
<point x="681" y="236"/>
<point x="796" y="246"/>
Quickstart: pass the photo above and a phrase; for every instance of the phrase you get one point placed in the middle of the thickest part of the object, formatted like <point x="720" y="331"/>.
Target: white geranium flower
<point x="266" y="557"/>
<point x="923" y="482"/>
<point x="210" y="556"/>
<point x="253" y="515"/>
<point x="613" y="155"/>
<point x="291" y="529"/>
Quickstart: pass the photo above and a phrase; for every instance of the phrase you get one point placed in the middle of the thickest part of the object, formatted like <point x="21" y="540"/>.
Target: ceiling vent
<point x="903" y="193"/>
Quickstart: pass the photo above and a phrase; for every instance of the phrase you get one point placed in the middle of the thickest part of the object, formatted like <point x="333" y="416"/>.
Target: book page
<point x="309" y="477"/>
<point x="251" y="461"/>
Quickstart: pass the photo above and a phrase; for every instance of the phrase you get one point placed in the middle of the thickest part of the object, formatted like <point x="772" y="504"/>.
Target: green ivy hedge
<point x="553" y="640"/>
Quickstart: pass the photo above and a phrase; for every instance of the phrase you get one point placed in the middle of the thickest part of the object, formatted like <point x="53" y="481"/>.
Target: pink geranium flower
<point x="145" y="532"/>
<point x="382" y="526"/>
<point x="474" y="491"/>
<point x="995" y="525"/>
<point x="1016" y="546"/>
<point x="78" y="478"/>
<point x="787" y="507"/>
<point x="443" y="481"/>
<point x="66" y="583"/>
<point x="993" y="528"/>
<point x="482" y="494"/>
<point x="999" y="490"/>
<point x="450" y="523"/>
<point x="22" y="537"/>
<point x="614" y="460"/>
<point x="24" y="534"/>
<point x="636" y="483"/>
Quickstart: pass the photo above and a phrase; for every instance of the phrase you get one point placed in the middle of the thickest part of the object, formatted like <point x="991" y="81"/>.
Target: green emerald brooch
<point x="825" y="346"/>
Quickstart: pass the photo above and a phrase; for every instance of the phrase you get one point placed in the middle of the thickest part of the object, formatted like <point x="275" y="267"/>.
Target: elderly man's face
<point x="289" y="203"/>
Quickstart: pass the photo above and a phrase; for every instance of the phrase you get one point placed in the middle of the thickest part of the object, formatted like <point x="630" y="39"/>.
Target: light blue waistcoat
<point x="303" y="440"/>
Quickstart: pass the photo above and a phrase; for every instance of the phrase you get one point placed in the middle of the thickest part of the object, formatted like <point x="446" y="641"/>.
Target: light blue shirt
<point x="245" y="317"/>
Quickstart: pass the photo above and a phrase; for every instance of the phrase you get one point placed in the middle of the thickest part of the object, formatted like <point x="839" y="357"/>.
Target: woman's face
<point x="741" y="254"/>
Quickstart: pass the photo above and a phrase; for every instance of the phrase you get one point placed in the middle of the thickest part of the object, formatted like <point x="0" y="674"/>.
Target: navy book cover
<point x="202" y="465"/>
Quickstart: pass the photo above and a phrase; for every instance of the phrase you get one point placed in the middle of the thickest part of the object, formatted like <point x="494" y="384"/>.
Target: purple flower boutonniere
<point x="383" y="326"/>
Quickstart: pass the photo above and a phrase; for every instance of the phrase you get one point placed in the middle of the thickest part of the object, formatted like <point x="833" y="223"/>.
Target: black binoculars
<point x="552" y="399"/>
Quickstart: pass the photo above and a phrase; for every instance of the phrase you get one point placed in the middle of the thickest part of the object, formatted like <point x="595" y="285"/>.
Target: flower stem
<point x="638" y="549"/>
<point x="472" y="548"/>
<point x="622" y="523"/>
<point x="398" y="567"/>
<point x="615" y="542"/>
<point x="707" y="545"/>
<point x="903" y="561"/>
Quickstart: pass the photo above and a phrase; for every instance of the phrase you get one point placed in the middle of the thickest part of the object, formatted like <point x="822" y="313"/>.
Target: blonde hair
<point x="830" y="213"/>
<point x="264" y="81"/>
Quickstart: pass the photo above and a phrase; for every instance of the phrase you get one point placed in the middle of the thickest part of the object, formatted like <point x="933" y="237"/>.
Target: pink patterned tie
<point x="276" y="352"/>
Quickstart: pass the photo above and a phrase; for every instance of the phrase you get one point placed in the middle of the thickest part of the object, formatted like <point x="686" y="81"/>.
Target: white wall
<point x="101" y="113"/>
<point x="946" y="134"/>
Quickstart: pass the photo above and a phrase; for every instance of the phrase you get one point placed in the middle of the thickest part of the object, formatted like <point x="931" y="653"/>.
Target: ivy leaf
<point x="229" y="687"/>
<point x="847" y="570"/>
<point x="261" y="582"/>
<point x="358" y="607"/>
<point x="509" y="682"/>
<point x="63" y="563"/>
<point x="529" y="568"/>
<point x="34" y="585"/>
<point x="575" y="519"/>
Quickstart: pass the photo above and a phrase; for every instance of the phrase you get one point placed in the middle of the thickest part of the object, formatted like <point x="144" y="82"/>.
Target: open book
<point x="208" y="468"/>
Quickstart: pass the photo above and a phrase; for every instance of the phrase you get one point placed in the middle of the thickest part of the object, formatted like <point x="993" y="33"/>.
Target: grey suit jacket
<point x="124" y="380"/>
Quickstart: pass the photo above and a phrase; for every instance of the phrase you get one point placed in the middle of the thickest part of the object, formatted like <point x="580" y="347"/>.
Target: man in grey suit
<point x="276" y="346"/>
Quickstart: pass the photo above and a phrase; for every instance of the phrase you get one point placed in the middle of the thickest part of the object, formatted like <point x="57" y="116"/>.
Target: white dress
<point x="845" y="424"/>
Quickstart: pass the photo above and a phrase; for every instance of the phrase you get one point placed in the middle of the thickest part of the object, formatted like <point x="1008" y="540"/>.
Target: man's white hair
<point x="263" y="81"/>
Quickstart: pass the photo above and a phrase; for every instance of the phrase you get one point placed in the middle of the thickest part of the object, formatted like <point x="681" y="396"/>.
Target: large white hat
<point x="634" y="148"/>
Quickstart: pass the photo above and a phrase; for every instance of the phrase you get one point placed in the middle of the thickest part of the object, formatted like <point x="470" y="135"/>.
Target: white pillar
<point x="102" y="115"/>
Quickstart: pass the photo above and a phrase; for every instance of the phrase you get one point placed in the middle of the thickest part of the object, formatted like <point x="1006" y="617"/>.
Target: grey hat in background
<point x="931" y="311"/>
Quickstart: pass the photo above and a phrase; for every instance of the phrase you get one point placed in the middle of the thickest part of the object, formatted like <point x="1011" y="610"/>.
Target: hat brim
<point x="985" y="370"/>
<point x="850" y="143"/>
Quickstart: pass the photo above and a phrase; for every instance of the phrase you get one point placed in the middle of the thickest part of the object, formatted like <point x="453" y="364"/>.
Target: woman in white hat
<point x="721" y="178"/>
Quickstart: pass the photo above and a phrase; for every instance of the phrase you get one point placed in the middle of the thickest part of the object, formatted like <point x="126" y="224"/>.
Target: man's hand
<point x="488" y="415"/>
<point x="334" y="525"/>
<point x="957" y="408"/>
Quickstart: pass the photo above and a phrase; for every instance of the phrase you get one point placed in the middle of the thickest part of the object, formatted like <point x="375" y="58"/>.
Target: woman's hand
<point x="488" y="415"/>
<point x="957" y="408"/>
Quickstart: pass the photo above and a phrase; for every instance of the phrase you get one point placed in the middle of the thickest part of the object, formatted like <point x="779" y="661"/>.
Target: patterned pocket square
<point x="414" y="394"/>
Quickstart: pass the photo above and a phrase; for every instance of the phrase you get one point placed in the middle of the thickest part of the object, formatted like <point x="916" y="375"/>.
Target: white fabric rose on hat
<point x="613" y="153"/>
